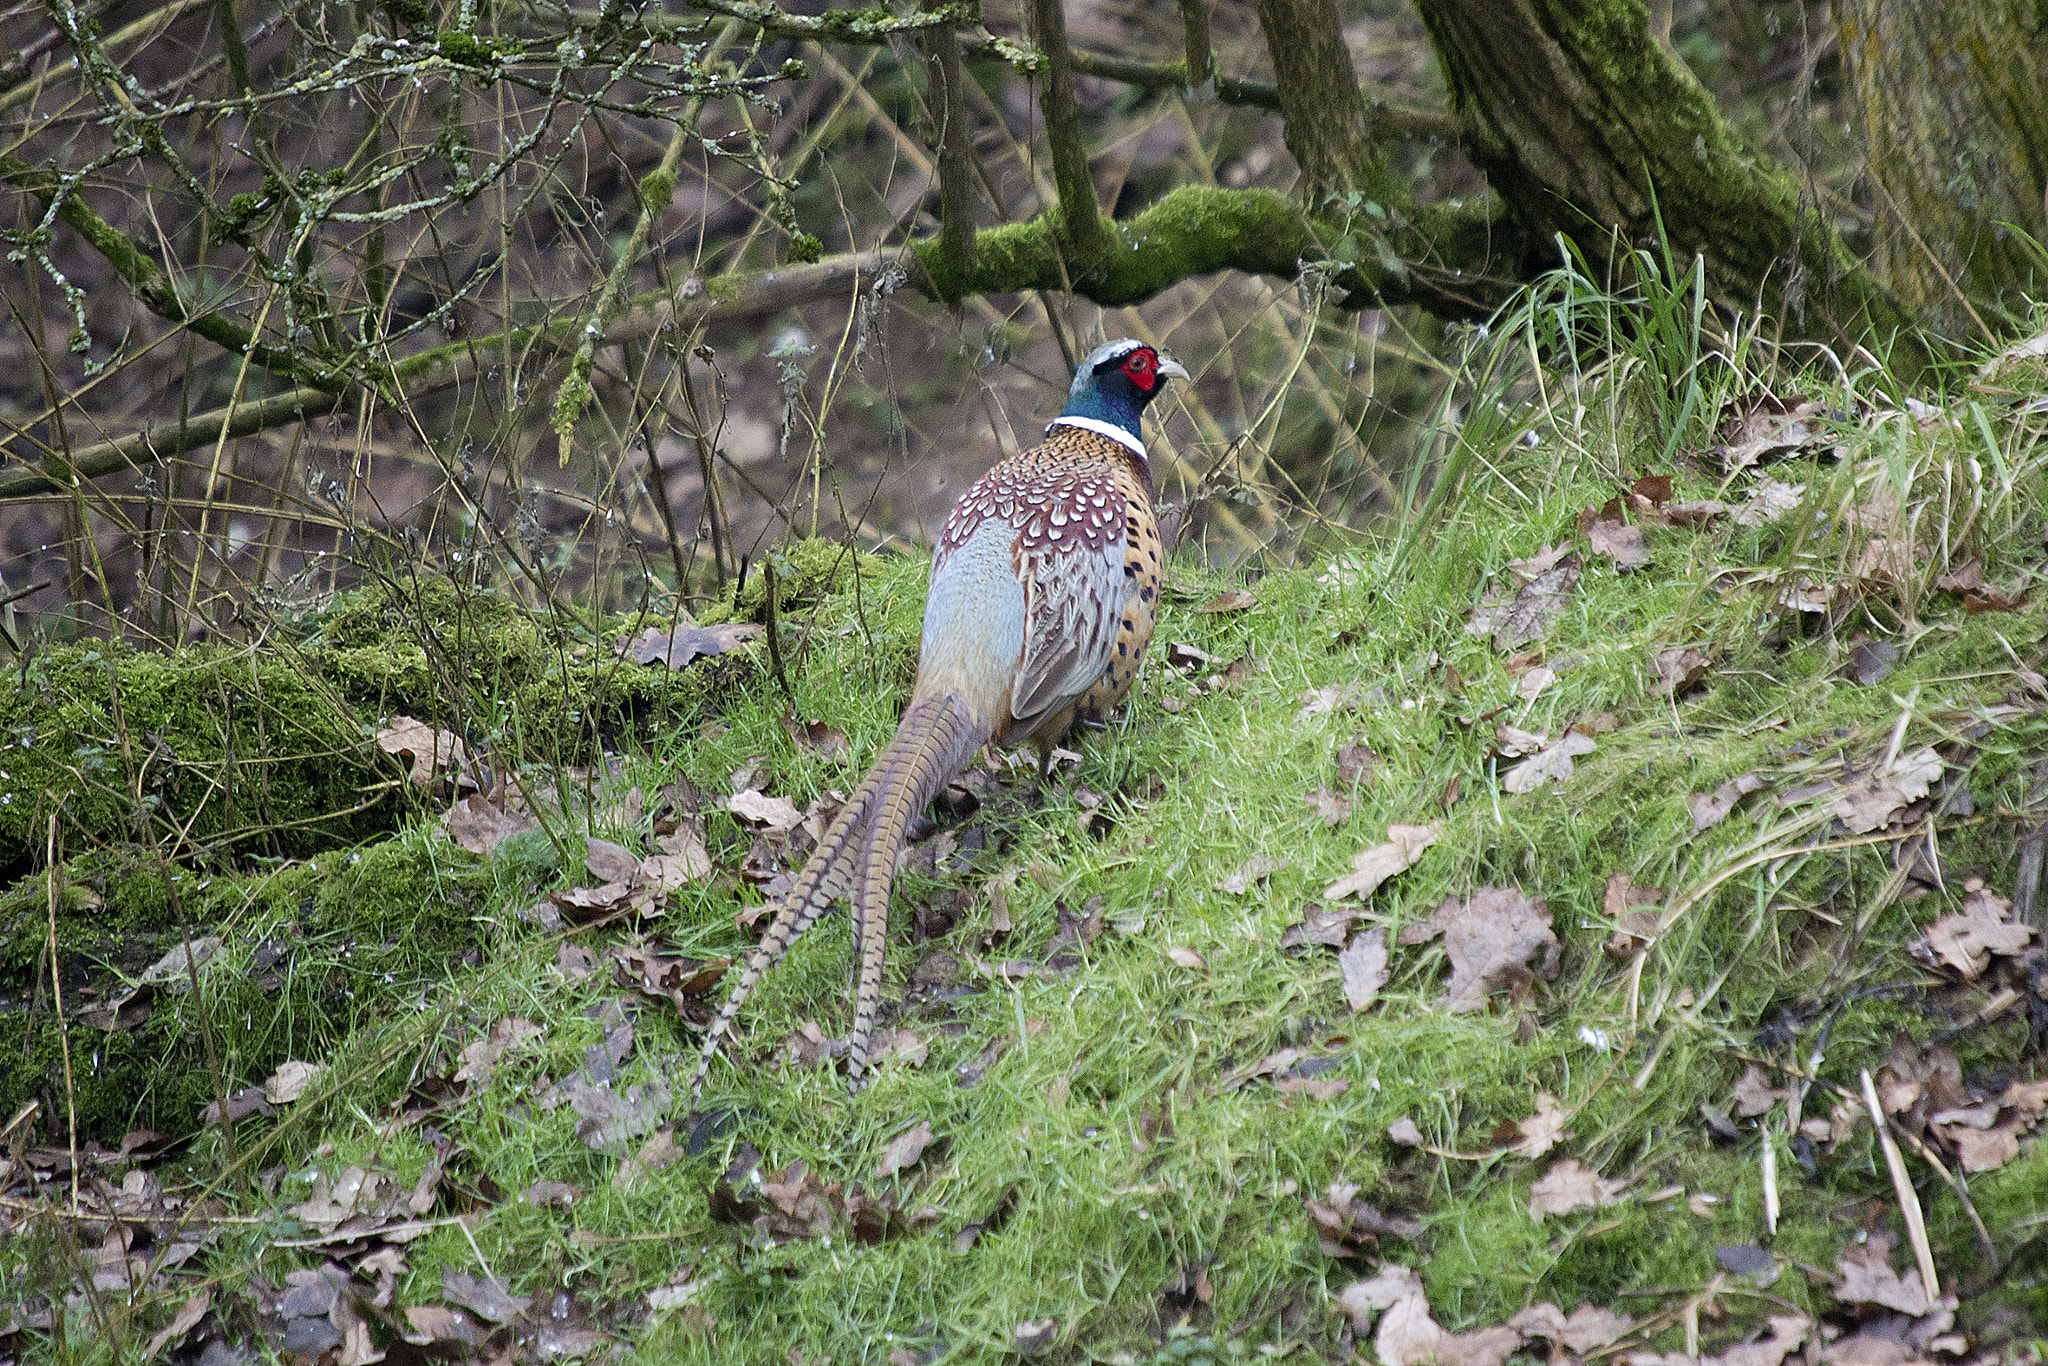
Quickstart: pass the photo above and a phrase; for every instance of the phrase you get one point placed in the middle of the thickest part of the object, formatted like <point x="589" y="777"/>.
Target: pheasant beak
<point x="1169" y="368"/>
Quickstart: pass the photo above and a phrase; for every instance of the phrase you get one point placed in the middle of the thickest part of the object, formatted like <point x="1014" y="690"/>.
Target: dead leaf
<point x="1786" y="1332"/>
<point x="1318" y="926"/>
<point x="1711" y="811"/>
<point x="481" y="1056"/>
<point x="437" y="1323"/>
<point x="1324" y="701"/>
<point x="815" y="737"/>
<point x="1678" y="669"/>
<point x="1870" y="663"/>
<point x="1355" y="763"/>
<point x="551" y="1194"/>
<point x="1540" y="1131"/>
<point x="1867" y="1278"/>
<point x="1189" y="659"/>
<point x="1772" y="427"/>
<point x="1567" y="1186"/>
<point x="685" y="643"/>
<point x="1187" y="958"/>
<point x="429" y="748"/>
<point x="1619" y="542"/>
<point x="1754" y="1093"/>
<point x="1870" y="800"/>
<point x="1370" y="867"/>
<point x="1274" y="1064"/>
<point x="1553" y="764"/>
<point x="1983" y="1150"/>
<point x="1532" y="683"/>
<point x="184" y="1321"/>
<point x="606" y="1118"/>
<point x="904" y="1150"/>
<point x="768" y="813"/>
<point x="1229" y="600"/>
<point x="609" y="862"/>
<point x="666" y="977"/>
<point x="480" y="825"/>
<point x="485" y="1297"/>
<point x="1542" y="562"/>
<point x="1695" y="515"/>
<point x="902" y="1044"/>
<point x="290" y="1081"/>
<point x="1404" y="1132"/>
<point x="1770" y="501"/>
<point x="1590" y="1326"/>
<point x="1349" y="1227"/>
<point x="1489" y="937"/>
<point x="1967" y="578"/>
<point x="1512" y="742"/>
<point x="1329" y="807"/>
<point x="975" y="1070"/>
<point x="1364" y="965"/>
<point x="1518" y="619"/>
<point x="1034" y="1337"/>
<point x="1253" y="870"/>
<point x="1406" y="1335"/>
<point x="1994" y="599"/>
<point x="1621" y="893"/>
<point x="1967" y="940"/>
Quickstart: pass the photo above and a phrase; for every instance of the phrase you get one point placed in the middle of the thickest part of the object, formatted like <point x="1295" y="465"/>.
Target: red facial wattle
<point x="1141" y="369"/>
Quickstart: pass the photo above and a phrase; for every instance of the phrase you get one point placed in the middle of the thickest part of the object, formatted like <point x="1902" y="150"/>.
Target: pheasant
<point x="1043" y="593"/>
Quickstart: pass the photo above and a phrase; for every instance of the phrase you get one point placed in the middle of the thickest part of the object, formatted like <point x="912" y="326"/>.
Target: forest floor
<point x="1489" y="941"/>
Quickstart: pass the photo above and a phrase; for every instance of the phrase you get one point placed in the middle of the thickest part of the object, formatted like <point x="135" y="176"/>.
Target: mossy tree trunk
<point x="1954" y="102"/>
<point x="1587" y="126"/>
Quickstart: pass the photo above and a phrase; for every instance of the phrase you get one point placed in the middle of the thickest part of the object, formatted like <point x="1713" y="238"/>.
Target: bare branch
<point x="1201" y="59"/>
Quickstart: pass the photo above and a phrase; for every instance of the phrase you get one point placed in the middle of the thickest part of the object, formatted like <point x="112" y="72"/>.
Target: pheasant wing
<point x="1070" y="558"/>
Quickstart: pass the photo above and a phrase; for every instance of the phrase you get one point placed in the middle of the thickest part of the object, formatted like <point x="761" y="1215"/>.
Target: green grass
<point x="1125" y="1161"/>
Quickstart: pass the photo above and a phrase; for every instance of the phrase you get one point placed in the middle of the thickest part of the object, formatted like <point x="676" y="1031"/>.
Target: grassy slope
<point x="1103" y="1221"/>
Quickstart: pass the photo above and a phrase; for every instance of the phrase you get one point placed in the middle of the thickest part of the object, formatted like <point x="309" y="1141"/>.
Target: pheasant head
<point x="1112" y="386"/>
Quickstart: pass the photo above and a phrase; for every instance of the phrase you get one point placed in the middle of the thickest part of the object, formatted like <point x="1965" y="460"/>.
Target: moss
<point x="233" y="745"/>
<point x="310" y="954"/>
<point x="1195" y="230"/>
<point x="657" y="189"/>
<point x="529" y="682"/>
<point x="804" y="575"/>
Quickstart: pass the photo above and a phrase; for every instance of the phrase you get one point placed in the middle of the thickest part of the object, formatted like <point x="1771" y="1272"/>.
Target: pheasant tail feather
<point x="934" y="741"/>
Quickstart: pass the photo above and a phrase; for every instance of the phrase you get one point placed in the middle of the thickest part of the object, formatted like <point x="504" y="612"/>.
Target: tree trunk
<point x="1954" y="101"/>
<point x="1320" y="106"/>
<point x="1587" y="126"/>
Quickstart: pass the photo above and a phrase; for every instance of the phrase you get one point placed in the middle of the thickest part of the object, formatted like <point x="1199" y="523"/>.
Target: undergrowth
<point x="1113" y="1147"/>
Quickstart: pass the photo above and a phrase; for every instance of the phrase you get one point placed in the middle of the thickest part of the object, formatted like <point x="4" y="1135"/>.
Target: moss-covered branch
<point x="147" y="279"/>
<point x="1192" y="231"/>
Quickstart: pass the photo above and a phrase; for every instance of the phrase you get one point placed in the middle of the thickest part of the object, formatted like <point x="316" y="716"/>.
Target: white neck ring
<point x="1100" y="428"/>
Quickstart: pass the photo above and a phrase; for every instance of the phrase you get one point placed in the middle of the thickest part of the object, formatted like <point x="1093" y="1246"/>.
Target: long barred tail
<point x="934" y="743"/>
<point x="935" y="736"/>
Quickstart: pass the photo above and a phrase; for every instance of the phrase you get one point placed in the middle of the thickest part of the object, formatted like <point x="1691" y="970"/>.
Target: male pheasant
<point x="1043" y="593"/>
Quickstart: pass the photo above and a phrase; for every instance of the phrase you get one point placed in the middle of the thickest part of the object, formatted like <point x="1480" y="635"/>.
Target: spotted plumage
<point x="1043" y="594"/>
